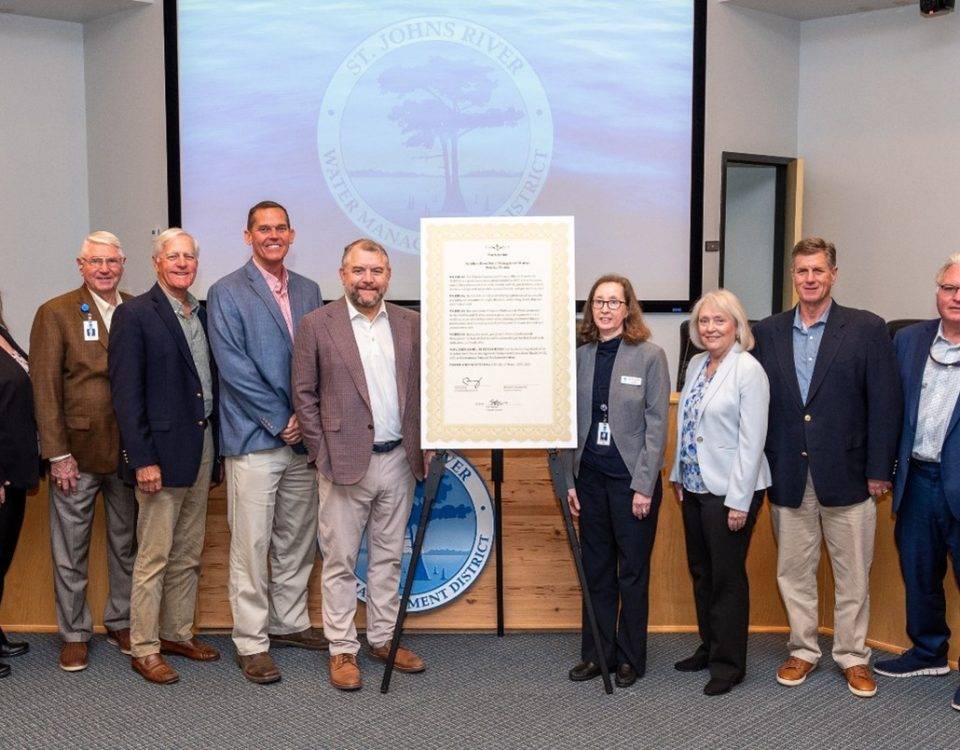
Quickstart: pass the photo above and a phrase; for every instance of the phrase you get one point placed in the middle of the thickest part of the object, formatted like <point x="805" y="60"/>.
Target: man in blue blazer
<point x="926" y="492"/>
<point x="835" y="408"/>
<point x="163" y="386"/>
<point x="271" y="491"/>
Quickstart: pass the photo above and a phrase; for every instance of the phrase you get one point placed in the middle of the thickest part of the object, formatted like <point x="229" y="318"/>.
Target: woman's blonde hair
<point x="726" y="302"/>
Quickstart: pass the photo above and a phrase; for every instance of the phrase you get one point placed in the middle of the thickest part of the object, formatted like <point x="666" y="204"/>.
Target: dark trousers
<point x="616" y="559"/>
<point x="721" y="592"/>
<point x="926" y="532"/>
<point x="11" y="520"/>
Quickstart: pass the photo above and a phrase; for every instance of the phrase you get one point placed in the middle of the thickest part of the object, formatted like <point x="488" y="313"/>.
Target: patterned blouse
<point x="690" y="414"/>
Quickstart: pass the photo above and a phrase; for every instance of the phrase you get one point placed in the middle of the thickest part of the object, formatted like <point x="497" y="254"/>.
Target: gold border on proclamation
<point x="439" y="430"/>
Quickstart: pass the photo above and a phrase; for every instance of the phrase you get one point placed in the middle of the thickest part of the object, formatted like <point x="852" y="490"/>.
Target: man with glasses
<point x="164" y="391"/>
<point x="78" y="435"/>
<point x="926" y="493"/>
<point x="835" y="409"/>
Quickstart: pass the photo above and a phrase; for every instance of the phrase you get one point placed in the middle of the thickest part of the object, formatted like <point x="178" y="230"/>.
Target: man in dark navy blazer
<point x="835" y="408"/>
<point x="926" y="492"/>
<point x="164" y="387"/>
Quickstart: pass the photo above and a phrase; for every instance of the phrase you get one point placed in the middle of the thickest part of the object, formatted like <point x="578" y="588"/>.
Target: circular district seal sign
<point x="457" y="543"/>
<point x="433" y="116"/>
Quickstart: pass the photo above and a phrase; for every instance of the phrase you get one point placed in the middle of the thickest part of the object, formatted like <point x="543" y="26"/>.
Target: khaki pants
<point x="849" y="532"/>
<point x="379" y="503"/>
<point x="170" y="532"/>
<point x="272" y="512"/>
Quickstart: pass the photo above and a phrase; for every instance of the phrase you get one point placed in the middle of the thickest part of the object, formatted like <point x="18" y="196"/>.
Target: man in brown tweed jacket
<point x="78" y="435"/>
<point x="356" y="390"/>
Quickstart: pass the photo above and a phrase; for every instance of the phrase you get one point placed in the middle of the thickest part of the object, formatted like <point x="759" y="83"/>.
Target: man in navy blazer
<point x="271" y="491"/>
<point x="835" y="408"/>
<point x="926" y="492"/>
<point x="163" y="385"/>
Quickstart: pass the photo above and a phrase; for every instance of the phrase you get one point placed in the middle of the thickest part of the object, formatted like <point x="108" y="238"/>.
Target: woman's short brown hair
<point x="634" y="329"/>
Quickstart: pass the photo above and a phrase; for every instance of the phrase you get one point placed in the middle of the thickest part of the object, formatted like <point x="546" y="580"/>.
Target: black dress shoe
<point x="13" y="648"/>
<point x="696" y="663"/>
<point x="4" y="669"/>
<point x="584" y="670"/>
<point x="626" y="676"/>
<point x="719" y="686"/>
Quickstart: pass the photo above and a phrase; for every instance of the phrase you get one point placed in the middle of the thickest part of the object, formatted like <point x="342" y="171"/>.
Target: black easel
<point x="496" y="474"/>
<point x="438" y="465"/>
<point x="560" y="490"/>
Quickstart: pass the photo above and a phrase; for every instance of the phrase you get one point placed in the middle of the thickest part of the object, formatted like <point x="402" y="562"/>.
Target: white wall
<point x="43" y="163"/>
<point x="878" y="127"/>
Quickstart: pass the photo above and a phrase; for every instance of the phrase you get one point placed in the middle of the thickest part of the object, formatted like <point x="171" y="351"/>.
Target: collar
<point x="353" y="312"/>
<point x="941" y="341"/>
<point x="276" y="285"/>
<point x="102" y="305"/>
<point x="177" y="305"/>
<point x="798" y="321"/>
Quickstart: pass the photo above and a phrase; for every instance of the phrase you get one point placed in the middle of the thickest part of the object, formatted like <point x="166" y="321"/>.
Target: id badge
<point x="603" y="433"/>
<point x="91" y="330"/>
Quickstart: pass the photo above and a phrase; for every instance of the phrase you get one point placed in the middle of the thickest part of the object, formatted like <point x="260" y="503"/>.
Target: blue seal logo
<point x="433" y="116"/>
<point x="458" y="540"/>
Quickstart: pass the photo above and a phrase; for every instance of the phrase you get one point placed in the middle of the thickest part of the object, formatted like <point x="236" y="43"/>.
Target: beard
<point x="355" y="299"/>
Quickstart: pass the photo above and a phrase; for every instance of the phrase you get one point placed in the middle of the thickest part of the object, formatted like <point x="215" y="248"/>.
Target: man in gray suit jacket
<point x="356" y="388"/>
<point x="271" y="492"/>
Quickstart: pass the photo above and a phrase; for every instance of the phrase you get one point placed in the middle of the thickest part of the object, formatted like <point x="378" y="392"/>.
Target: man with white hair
<point x="163" y="380"/>
<point x="78" y="435"/>
<point x="926" y="491"/>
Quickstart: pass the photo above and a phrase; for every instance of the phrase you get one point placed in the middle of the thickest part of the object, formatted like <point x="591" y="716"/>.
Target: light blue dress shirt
<point x="939" y="391"/>
<point x="806" y="345"/>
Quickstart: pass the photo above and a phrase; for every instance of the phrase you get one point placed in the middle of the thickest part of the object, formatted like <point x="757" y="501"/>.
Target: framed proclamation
<point x="498" y="360"/>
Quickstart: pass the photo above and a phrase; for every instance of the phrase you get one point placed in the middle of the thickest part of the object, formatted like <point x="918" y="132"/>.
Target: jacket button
<point x="200" y="395"/>
<point x="369" y="426"/>
<point x="807" y="417"/>
<point x="699" y="439"/>
<point x="803" y="453"/>
<point x="200" y="423"/>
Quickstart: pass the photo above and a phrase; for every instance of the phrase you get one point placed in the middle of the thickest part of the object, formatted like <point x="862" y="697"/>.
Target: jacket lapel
<point x="259" y="284"/>
<point x="401" y="355"/>
<point x="829" y="346"/>
<point x="918" y="362"/>
<point x="783" y="344"/>
<point x="722" y="373"/>
<point x="87" y="296"/>
<point x="169" y="317"/>
<point x="341" y="331"/>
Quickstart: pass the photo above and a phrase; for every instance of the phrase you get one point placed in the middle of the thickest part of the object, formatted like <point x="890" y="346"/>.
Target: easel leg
<point x="434" y="475"/>
<point x="560" y="490"/>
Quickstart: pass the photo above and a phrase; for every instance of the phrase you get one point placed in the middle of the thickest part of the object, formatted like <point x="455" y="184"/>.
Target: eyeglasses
<point x="100" y="262"/>
<point x="948" y="289"/>
<point x="612" y="304"/>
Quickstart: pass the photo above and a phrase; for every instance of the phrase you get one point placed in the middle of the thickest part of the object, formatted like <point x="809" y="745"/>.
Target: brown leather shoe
<point x="154" y="669"/>
<point x="120" y="639"/>
<point x="860" y="680"/>
<point x="406" y="660"/>
<point x="192" y="649"/>
<point x="311" y="639"/>
<point x="794" y="671"/>
<point x="73" y="656"/>
<point x="259" y="668"/>
<point x="344" y="672"/>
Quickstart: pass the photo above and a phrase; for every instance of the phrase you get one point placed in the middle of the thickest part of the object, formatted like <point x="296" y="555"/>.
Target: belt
<point x="386" y="447"/>
<point x="920" y="463"/>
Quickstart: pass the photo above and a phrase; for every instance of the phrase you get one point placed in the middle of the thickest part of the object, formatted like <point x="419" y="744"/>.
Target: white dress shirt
<point x="375" y="342"/>
<point x="939" y="390"/>
<point x="105" y="308"/>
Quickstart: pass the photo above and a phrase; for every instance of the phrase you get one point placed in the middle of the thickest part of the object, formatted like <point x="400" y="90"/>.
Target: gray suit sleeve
<point x="650" y="460"/>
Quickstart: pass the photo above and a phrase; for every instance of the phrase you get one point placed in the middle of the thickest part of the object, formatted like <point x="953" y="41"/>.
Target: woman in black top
<point x="19" y="462"/>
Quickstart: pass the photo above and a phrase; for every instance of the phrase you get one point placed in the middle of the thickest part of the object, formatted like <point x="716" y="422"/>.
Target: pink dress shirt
<point x="279" y="289"/>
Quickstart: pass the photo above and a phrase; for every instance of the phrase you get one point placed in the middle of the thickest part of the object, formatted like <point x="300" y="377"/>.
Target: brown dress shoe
<point x="259" y="668"/>
<point x="860" y="681"/>
<point x="344" y="672"/>
<point x="794" y="671"/>
<point x="73" y="656"/>
<point x="192" y="649"/>
<point x="311" y="639"/>
<point x="154" y="669"/>
<point x="120" y="639"/>
<point x="406" y="660"/>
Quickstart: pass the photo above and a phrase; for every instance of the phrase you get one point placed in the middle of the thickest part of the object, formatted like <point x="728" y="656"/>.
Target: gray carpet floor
<point x="478" y="692"/>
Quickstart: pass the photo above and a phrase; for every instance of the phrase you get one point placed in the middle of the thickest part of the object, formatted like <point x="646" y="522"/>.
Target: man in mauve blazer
<point x="926" y="492"/>
<point x="163" y="381"/>
<point x="271" y="491"/>
<point x="835" y="408"/>
<point x="78" y="436"/>
<point x="356" y="388"/>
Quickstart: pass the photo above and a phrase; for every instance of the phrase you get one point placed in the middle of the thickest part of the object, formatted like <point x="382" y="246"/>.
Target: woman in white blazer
<point x="720" y="474"/>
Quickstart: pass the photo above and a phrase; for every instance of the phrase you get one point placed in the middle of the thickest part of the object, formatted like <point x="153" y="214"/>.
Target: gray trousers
<point x="71" y="524"/>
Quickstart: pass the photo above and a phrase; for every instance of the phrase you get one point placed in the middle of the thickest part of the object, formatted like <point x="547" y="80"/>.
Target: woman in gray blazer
<point x="720" y="473"/>
<point x="623" y="392"/>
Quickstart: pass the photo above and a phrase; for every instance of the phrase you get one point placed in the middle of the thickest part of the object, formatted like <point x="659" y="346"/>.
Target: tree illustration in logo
<point x="441" y="101"/>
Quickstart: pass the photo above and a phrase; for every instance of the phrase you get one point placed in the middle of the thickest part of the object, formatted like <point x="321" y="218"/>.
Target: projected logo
<point x="433" y="116"/>
<point x="458" y="540"/>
